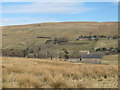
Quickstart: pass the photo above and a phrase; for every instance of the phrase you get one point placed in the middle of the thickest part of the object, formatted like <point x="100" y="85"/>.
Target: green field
<point x="110" y="59"/>
<point x="106" y="43"/>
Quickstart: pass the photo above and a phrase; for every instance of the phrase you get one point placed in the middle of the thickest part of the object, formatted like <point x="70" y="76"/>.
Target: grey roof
<point x="91" y="56"/>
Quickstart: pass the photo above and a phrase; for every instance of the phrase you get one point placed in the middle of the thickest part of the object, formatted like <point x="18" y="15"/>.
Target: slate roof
<point x="91" y="56"/>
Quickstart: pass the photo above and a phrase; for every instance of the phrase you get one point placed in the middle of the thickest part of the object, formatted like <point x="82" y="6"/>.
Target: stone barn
<point x="91" y="58"/>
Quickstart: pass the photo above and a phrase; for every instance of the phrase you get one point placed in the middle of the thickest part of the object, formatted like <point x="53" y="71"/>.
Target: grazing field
<point x="110" y="59"/>
<point x="13" y="36"/>
<point x="41" y="73"/>
<point x="106" y="43"/>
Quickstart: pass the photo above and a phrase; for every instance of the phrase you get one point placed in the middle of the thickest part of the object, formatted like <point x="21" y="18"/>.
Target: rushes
<point x="55" y="74"/>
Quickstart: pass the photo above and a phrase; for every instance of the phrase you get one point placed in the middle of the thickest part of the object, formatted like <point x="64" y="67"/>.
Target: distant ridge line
<point x="55" y="23"/>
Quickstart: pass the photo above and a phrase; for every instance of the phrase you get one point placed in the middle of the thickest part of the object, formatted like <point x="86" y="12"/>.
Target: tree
<point x="66" y="53"/>
<point x="24" y="53"/>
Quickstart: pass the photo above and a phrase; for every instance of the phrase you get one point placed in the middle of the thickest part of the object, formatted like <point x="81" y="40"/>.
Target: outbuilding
<point x="91" y="58"/>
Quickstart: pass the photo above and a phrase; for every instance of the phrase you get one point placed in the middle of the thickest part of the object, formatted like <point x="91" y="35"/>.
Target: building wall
<point x="91" y="60"/>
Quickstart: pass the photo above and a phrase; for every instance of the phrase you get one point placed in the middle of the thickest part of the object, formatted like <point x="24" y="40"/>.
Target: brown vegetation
<point x="39" y="73"/>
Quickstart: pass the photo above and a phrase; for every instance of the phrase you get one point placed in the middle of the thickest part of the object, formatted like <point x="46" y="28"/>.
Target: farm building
<point x="91" y="58"/>
<point x="82" y="38"/>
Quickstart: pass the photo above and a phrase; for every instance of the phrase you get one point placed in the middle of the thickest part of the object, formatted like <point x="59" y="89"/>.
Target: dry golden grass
<point x="39" y="73"/>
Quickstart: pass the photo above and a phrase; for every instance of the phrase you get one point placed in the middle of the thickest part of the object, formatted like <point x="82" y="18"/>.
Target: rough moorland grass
<point x="72" y="30"/>
<point x="39" y="73"/>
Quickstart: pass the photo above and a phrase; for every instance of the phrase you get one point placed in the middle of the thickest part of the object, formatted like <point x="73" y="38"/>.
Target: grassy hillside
<point x="57" y="73"/>
<point x="13" y="36"/>
<point x="110" y="59"/>
<point x="106" y="43"/>
<point x="39" y="73"/>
